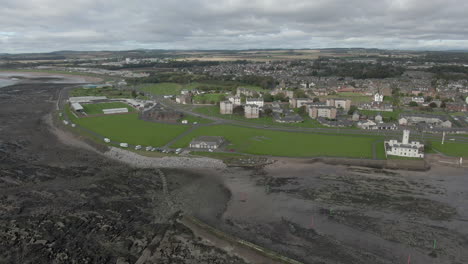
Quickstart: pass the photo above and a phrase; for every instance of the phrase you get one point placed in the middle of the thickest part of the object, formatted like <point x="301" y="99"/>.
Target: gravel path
<point x="164" y="162"/>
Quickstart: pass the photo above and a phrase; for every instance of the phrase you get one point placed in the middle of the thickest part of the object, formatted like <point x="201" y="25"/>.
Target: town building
<point x="405" y="148"/>
<point x="226" y="107"/>
<point x="288" y="117"/>
<point x="86" y="99"/>
<point x="254" y="101"/>
<point x="244" y="91"/>
<point x="367" y="124"/>
<point x="432" y="120"/>
<point x="356" y="116"/>
<point x="378" y="118"/>
<point x="77" y="107"/>
<point x="456" y="107"/>
<point x="207" y="142"/>
<point x="345" y="104"/>
<point x="417" y="99"/>
<point x="184" y="99"/>
<point x="323" y="111"/>
<point x="236" y="100"/>
<point x="298" y="102"/>
<point x="251" y="111"/>
<point x="378" y="98"/>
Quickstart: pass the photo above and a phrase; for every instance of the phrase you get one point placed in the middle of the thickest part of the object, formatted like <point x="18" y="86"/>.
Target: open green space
<point x="162" y="88"/>
<point x="391" y="115"/>
<point x="110" y="92"/>
<point x="354" y="97"/>
<point x="128" y="128"/>
<point x="209" y="98"/>
<point x="96" y="109"/>
<point x="456" y="149"/>
<point x="265" y="120"/>
<point x="279" y="143"/>
<point x="192" y="119"/>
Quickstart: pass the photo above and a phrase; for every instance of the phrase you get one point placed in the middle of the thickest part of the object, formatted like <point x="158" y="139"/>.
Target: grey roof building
<point x="207" y="142"/>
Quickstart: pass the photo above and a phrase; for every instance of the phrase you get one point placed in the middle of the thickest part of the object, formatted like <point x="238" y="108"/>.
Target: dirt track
<point x="67" y="204"/>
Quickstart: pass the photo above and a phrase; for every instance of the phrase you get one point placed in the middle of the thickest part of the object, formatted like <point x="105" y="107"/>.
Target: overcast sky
<point x="50" y="25"/>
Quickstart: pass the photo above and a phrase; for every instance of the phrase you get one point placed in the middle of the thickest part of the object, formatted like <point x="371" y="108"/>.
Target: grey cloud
<point x="47" y="25"/>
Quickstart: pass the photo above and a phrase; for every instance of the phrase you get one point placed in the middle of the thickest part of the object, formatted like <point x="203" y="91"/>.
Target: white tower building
<point x="405" y="136"/>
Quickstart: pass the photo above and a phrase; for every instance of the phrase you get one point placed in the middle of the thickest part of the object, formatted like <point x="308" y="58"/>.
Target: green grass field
<point x="209" y="98"/>
<point x="106" y="91"/>
<point x="128" y="128"/>
<point x="163" y="88"/>
<point x="394" y="115"/>
<point x="267" y="121"/>
<point x="455" y="149"/>
<point x="191" y="119"/>
<point x="278" y="143"/>
<point x="96" y="109"/>
<point x="355" y="98"/>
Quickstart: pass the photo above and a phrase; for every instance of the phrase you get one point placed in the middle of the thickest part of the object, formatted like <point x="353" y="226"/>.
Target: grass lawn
<point x="395" y="114"/>
<point x="278" y="143"/>
<point x="105" y="91"/>
<point x="455" y="149"/>
<point x="162" y="88"/>
<point x="191" y="119"/>
<point x="267" y="121"/>
<point x="128" y="128"/>
<point x="96" y="109"/>
<point x="355" y="98"/>
<point x="209" y="98"/>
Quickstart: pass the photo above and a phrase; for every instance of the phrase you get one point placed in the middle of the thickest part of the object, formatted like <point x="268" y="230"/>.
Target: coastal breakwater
<point x="414" y="165"/>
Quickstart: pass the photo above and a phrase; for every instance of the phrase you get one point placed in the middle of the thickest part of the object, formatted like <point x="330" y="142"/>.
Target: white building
<point x="235" y="100"/>
<point x="251" y="111"/>
<point x="254" y="101"/>
<point x="378" y="97"/>
<point x="405" y="148"/>
<point x="86" y="99"/>
<point x="417" y="99"/>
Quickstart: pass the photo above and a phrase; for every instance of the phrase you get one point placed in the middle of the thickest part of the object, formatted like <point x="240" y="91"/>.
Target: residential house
<point x="323" y="111"/>
<point x="235" y="100"/>
<point x="345" y="104"/>
<point x="251" y="111"/>
<point x="226" y="107"/>
<point x="207" y="142"/>
<point x="254" y="101"/>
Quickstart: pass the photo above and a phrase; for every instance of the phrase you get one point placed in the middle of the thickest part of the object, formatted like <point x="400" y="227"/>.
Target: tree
<point x="302" y="110"/>
<point x="299" y="94"/>
<point x="280" y="97"/>
<point x="352" y="109"/>
<point x="238" y="110"/>
<point x="413" y="104"/>
<point x="433" y="105"/>
<point x="268" y="112"/>
<point x="268" y="98"/>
